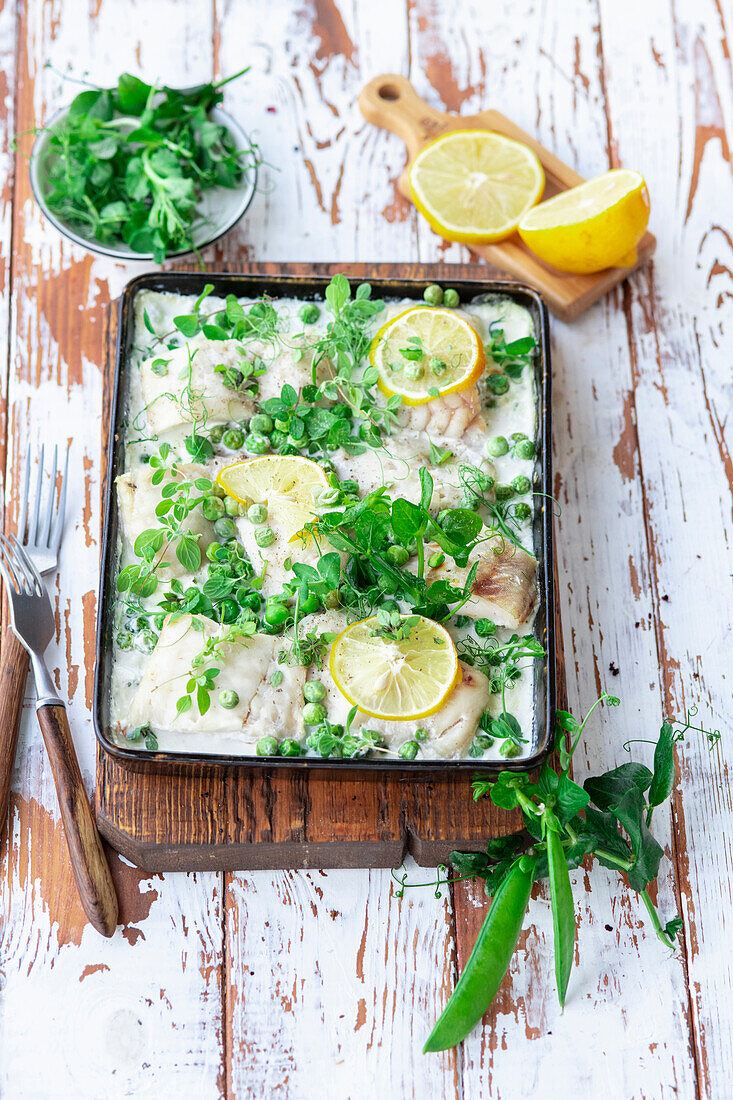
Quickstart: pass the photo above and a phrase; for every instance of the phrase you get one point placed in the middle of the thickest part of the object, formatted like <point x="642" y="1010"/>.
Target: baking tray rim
<point x="171" y="282"/>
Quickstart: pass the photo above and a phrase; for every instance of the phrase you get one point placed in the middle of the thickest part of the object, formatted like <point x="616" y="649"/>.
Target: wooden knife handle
<point x="89" y="863"/>
<point x="13" y="676"/>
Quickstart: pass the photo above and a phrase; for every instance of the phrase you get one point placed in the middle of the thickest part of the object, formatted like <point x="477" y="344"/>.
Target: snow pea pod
<point x="489" y="960"/>
<point x="563" y="913"/>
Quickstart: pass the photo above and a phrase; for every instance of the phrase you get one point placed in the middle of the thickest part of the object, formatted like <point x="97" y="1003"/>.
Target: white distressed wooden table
<point x="324" y="985"/>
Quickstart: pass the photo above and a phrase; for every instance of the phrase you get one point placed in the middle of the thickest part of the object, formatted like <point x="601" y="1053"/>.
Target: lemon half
<point x="395" y="680"/>
<point x="595" y="225"/>
<point x="283" y="482"/>
<point x="474" y="185"/>
<point x="442" y="352"/>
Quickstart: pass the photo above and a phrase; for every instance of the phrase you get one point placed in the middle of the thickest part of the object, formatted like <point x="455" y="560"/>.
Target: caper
<point x="212" y="508"/>
<point x="433" y="294"/>
<point x="267" y="746"/>
<point x="397" y="555"/>
<point x="233" y="439"/>
<point x="228" y="699"/>
<point x="521" y="484"/>
<point x="264" y="536"/>
<point x="409" y="750"/>
<point x="451" y="298"/>
<point x="262" y="424"/>
<point x="314" y="691"/>
<point x="497" y="446"/>
<point x="314" y="714"/>
<point x="257" y="513"/>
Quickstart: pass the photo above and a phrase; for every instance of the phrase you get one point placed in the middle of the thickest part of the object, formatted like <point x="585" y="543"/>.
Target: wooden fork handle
<point x="88" y="861"/>
<point x="13" y="676"/>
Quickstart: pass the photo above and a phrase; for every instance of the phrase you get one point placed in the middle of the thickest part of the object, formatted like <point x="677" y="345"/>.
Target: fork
<point x="42" y="545"/>
<point x="32" y="620"/>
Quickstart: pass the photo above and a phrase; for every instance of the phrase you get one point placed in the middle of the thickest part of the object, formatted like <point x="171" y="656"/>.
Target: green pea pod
<point x="489" y="960"/>
<point x="563" y="913"/>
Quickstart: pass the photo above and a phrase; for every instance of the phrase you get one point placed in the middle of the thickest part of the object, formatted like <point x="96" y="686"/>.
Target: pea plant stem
<point x="655" y="921"/>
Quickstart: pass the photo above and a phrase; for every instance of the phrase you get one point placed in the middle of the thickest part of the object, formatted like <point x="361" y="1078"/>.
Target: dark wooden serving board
<point x="193" y="818"/>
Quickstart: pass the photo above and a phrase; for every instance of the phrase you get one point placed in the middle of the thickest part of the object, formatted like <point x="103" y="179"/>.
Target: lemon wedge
<point x="395" y="680"/>
<point x="474" y="185"/>
<point x="590" y="227"/>
<point x="285" y="483"/>
<point x="425" y="353"/>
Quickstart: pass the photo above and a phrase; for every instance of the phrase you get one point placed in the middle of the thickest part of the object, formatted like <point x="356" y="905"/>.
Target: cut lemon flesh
<point x="590" y="227"/>
<point x="395" y="680"/>
<point x="426" y="349"/>
<point x="475" y="186"/>
<point x="285" y="483"/>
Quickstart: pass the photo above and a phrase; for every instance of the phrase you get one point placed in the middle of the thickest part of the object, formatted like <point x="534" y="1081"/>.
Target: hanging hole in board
<point x="389" y="92"/>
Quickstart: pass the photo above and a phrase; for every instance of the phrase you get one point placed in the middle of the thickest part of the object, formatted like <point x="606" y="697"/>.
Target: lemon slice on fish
<point x="285" y="483"/>
<point x="392" y="677"/>
<point x="425" y="353"/>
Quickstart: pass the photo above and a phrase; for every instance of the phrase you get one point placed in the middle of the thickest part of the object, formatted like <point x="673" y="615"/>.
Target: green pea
<point x="289" y="747"/>
<point x="277" y="438"/>
<point x="147" y="640"/>
<point x="233" y="439"/>
<point x="314" y="691"/>
<point x="509" y="749"/>
<point x="451" y="298"/>
<point x="523" y="511"/>
<point x="216" y="433"/>
<point x="229" y="610"/>
<point x="228" y="699"/>
<point x="314" y="714"/>
<point x="332" y="600"/>
<point x="159" y="367"/>
<point x="217" y="491"/>
<point x="409" y="750"/>
<point x="413" y="370"/>
<point x="212" y="508"/>
<point x="436" y="559"/>
<point x="349" y="486"/>
<point x="390" y="605"/>
<point x="257" y="444"/>
<point x="443" y="516"/>
<point x="484" y="741"/>
<point x="498" y="383"/>
<point x="225" y="528"/>
<point x="524" y="449"/>
<point x="310" y="604"/>
<point x="484" y="628"/>
<point x="124" y="639"/>
<point x="497" y="446"/>
<point x="288" y="449"/>
<point x="386" y="584"/>
<point x="267" y="746"/>
<point x="232" y="507"/>
<point x="421" y="735"/>
<point x="397" y="555"/>
<point x="504" y="492"/>
<point x="262" y="424"/>
<point x="309" y="313"/>
<point x="250" y="600"/>
<point x="437" y="366"/>
<point x="282" y="425"/>
<point x="521" y="484"/>
<point x="264" y="537"/>
<point x="276" y="613"/>
<point x="213" y="550"/>
<point x="257" y="513"/>
<point x="433" y="294"/>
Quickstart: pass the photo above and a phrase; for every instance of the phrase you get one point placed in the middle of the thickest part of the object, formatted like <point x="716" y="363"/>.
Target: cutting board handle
<point x="391" y="102"/>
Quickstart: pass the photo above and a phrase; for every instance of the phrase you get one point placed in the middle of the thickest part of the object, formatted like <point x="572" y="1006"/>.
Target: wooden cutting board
<point x="193" y="818"/>
<point x="391" y="102"/>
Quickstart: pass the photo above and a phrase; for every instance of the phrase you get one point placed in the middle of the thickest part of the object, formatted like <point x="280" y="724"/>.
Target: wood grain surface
<point x="323" y="984"/>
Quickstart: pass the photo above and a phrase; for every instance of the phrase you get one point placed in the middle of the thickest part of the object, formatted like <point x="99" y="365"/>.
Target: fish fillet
<point x="504" y="589"/>
<point x="137" y="498"/>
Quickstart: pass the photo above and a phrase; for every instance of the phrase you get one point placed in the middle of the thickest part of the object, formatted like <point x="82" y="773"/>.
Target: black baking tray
<point x="309" y="287"/>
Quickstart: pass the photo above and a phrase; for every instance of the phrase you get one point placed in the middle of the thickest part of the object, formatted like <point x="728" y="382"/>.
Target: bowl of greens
<point x="144" y="172"/>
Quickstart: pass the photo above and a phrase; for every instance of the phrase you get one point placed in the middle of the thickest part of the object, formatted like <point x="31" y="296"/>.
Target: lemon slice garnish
<point x="595" y="225"/>
<point x="284" y="483"/>
<point x="395" y="680"/>
<point x="447" y="354"/>
<point x="474" y="186"/>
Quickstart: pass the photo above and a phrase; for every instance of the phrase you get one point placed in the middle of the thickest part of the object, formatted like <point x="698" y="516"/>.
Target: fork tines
<point x="17" y="569"/>
<point x="44" y="525"/>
